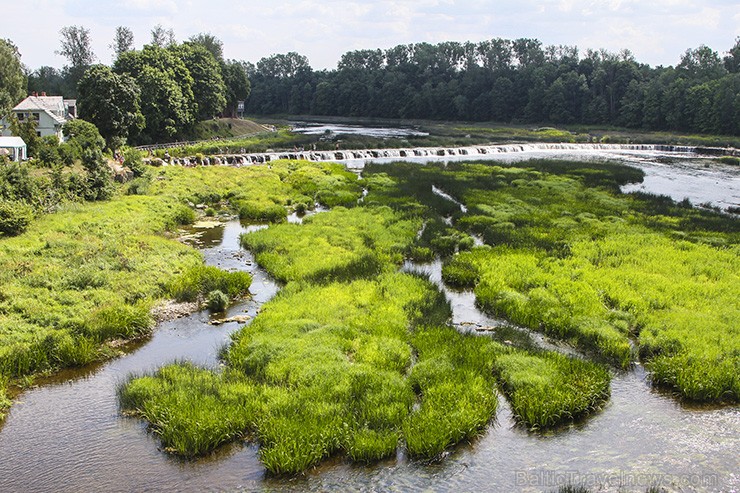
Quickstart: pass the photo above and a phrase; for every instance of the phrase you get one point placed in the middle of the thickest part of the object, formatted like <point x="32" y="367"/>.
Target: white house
<point x="50" y="113"/>
<point x="14" y="148"/>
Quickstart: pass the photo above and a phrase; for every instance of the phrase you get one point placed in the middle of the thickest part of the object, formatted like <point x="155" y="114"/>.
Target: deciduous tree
<point x="12" y="79"/>
<point x="123" y="41"/>
<point x="111" y="102"/>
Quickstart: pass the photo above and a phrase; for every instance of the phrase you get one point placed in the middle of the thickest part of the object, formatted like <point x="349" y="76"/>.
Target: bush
<point x="99" y="179"/>
<point x="132" y="159"/>
<point x="217" y="301"/>
<point x="14" y="217"/>
<point x="183" y="215"/>
<point x="262" y="211"/>
<point x="138" y="186"/>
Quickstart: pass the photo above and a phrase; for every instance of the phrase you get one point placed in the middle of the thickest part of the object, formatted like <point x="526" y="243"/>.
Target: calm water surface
<point x="67" y="434"/>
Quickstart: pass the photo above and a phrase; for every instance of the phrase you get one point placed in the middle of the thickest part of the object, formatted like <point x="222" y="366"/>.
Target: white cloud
<point x="658" y="32"/>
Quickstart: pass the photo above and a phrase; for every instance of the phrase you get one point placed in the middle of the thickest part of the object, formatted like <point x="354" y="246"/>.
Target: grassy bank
<point x="568" y="255"/>
<point x="260" y="193"/>
<point x="89" y="274"/>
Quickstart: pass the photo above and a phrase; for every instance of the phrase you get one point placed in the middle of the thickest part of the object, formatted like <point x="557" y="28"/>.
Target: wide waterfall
<point x="343" y="155"/>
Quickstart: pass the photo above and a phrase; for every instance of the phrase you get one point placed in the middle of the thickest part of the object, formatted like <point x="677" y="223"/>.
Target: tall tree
<point x="12" y="79"/>
<point x="123" y="40"/>
<point x="167" y="99"/>
<point x="76" y="46"/>
<point x="46" y="79"/>
<point x="701" y="64"/>
<point x="111" y="102"/>
<point x="210" y="43"/>
<point x="732" y="60"/>
<point x="162" y="38"/>
<point x="238" y="87"/>
<point x="208" y="83"/>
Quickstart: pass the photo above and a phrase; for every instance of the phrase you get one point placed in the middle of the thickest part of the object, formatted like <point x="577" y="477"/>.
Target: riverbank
<point x="91" y="273"/>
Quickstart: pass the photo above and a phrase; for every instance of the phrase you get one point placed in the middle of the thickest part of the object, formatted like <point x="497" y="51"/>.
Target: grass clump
<point x="341" y="244"/>
<point x="731" y="160"/>
<point x="331" y="363"/>
<point x="453" y="378"/>
<point x="4" y="400"/>
<point x="200" y="280"/>
<point x="546" y="389"/>
<point x="191" y="409"/>
<point x="217" y="301"/>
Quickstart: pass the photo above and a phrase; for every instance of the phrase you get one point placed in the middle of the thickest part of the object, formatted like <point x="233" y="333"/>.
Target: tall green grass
<point x="193" y="410"/>
<point x="547" y="388"/>
<point x="453" y="377"/>
<point x="342" y="245"/>
<point x="82" y="276"/>
<point x="201" y="280"/>
<point x="260" y="193"/>
<point x="331" y="363"/>
<point x="569" y="255"/>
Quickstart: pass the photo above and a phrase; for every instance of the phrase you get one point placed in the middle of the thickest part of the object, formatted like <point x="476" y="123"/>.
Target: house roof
<point x="52" y="104"/>
<point x="12" y="142"/>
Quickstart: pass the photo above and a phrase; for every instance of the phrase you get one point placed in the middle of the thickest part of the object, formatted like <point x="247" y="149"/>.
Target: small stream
<point x="67" y="435"/>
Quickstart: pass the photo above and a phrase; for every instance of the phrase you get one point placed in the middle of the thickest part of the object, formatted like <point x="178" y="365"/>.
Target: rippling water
<point x="66" y="435"/>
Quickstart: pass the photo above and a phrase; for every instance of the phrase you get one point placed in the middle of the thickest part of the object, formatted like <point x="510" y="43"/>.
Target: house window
<point x="36" y="116"/>
<point x="21" y="116"/>
<point x="38" y="133"/>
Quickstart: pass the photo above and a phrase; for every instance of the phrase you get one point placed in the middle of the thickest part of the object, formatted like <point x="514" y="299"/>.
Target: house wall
<point x="46" y="124"/>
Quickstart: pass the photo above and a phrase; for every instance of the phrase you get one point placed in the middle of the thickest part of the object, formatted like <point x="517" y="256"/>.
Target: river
<point x="67" y="435"/>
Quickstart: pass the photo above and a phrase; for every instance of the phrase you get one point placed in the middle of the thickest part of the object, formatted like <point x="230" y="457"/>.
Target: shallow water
<point x="702" y="180"/>
<point x="67" y="434"/>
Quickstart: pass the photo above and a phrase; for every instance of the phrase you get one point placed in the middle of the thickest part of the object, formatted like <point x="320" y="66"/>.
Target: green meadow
<point x="89" y="273"/>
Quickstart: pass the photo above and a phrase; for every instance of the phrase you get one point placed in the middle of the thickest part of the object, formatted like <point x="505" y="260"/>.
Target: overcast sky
<point x="658" y="32"/>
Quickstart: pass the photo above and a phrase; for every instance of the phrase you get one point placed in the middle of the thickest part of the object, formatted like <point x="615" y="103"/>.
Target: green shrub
<point x="262" y="212"/>
<point x="183" y="215"/>
<point x="138" y="186"/>
<point x="217" y="301"/>
<point x="134" y="160"/>
<point x="15" y="217"/>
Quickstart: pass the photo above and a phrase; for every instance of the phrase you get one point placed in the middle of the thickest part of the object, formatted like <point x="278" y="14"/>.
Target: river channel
<point x="67" y="435"/>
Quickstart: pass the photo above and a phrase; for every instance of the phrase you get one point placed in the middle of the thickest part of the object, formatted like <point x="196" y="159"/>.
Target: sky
<point x="657" y="32"/>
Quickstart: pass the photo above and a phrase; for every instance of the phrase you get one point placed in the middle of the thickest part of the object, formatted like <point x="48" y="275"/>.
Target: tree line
<point x="511" y="81"/>
<point x="158" y="92"/>
<point x="149" y="95"/>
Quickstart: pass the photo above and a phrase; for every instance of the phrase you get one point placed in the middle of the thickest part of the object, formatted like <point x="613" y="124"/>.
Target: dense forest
<point x="519" y="81"/>
<point x="159" y="92"/>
